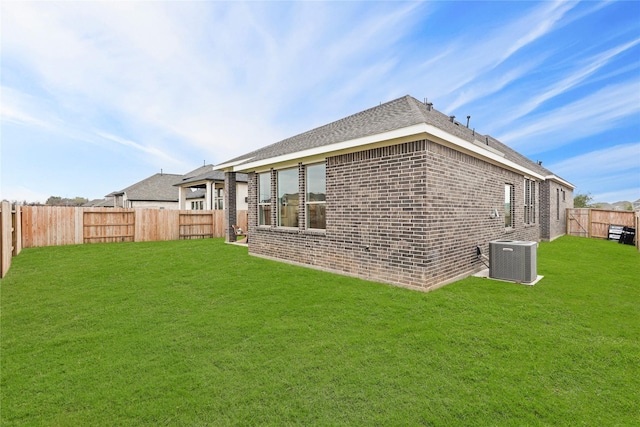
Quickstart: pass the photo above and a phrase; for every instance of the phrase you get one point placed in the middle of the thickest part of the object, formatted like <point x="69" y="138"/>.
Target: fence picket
<point x="53" y="226"/>
<point x="586" y="222"/>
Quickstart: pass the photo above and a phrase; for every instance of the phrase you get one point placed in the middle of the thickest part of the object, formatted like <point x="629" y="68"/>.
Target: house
<point x="157" y="191"/>
<point x="399" y="193"/>
<point x="107" y="202"/>
<point x="203" y="189"/>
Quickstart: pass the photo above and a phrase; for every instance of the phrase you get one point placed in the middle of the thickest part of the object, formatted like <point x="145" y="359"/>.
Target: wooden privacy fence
<point x="585" y="222"/>
<point x="10" y="243"/>
<point x="54" y="226"/>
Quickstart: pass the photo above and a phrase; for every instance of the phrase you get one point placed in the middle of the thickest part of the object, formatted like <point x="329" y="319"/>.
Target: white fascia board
<point x="229" y="166"/>
<point x="560" y="180"/>
<point x="192" y="183"/>
<point x="420" y="129"/>
<point x="339" y="146"/>
<point x="478" y="151"/>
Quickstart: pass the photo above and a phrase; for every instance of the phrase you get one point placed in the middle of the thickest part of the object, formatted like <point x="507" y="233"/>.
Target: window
<point x="527" y="195"/>
<point x="533" y="202"/>
<point x="218" y="202"/>
<point x="316" y="194"/>
<point x="288" y="197"/>
<point x="264" y="198"/>
<point x="529" y="201"/>
<point x="508" y="205"/>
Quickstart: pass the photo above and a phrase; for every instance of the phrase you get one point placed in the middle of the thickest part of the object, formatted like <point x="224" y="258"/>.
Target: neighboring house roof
<point x="158" y="187"/>
<point x="206" y="173"/>
<point x="99" y="203"/>
<point x="198" y="194"/>
<point x="402" y="117"/>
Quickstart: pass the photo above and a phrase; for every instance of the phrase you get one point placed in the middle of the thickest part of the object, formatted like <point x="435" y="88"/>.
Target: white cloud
<point x="177" y="82"/>
<point x="601" y="162"/>
<point x="610" y="174"/>
<point x="22" y="109"/>
<point x="195" y="74"/>
<point x="466" y="65"/>
<point x="536" y="25"/>
<point x="590" y="115"/>
<point x="11" y="113"/>
<point x="491" y="84"/>
<point x="583" y="70"/>
<point x="164" y="157"/>
<point x="20" y="193"/>
<point x="628" y="194"/>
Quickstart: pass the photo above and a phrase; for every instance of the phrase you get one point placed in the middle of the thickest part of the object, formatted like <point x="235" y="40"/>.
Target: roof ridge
<point x="414" y="104"/>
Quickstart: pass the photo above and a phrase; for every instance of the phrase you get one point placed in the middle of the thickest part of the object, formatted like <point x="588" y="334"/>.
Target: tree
<point x="627" y="206"/>
<point x="582" y="200"/>
<point x="60" y="201"/>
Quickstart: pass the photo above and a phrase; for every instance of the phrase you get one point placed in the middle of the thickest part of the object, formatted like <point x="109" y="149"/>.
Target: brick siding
<point x="557" y="198"/>
<point x="410" y="215"/>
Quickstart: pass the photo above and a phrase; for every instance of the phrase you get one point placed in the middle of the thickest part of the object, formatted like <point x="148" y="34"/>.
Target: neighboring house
<point x="203" y="189"/>
<point x="100" y="203"/>
<point x="399" y="193"/>
<point x="157" y="191"/>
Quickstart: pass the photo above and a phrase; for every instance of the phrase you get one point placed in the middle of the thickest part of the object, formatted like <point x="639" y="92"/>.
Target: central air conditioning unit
<point x="512" y="260"/>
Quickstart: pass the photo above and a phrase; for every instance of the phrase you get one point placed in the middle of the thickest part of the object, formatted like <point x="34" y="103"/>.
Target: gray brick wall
<point x="230" y="205"/>
<point x="558" y="199"/>
<point x="409" y="215"/>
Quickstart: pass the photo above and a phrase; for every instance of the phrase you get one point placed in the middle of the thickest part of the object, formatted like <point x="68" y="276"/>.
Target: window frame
<point x="319" y="203"/>
<point x="284" y="218"/>
<point x="264" y="206"/>
<point x="218" y="199"/>
<point x="533" y="202"/>
<point x="510" y="214"/>
<point x="529" y="201"/>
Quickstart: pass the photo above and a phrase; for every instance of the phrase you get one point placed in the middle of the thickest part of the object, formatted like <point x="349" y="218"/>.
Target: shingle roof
<point x="158" y="187"/>
<point x="206" y="173"/>
<point x="386" y="117"/>
<point x="396" y="114"/>
<point x="96" y="203"/>
<point x="197" y="194"/>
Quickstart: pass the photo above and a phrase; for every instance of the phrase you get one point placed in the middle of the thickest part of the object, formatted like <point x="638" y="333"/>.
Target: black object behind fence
<point x="627" y="236"/>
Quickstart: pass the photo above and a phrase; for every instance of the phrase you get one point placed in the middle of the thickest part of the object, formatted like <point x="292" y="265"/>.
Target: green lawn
<point x="198" y="333"/>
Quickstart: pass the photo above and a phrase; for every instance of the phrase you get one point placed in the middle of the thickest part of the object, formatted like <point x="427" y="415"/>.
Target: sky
<point x="96" y="96"/>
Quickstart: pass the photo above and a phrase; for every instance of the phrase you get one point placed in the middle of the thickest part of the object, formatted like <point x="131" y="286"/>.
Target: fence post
<point x="6" y="237"/>
<point x="78" y="225"/>
<point x="637" y="229"/>
<point x="17" y="230"/>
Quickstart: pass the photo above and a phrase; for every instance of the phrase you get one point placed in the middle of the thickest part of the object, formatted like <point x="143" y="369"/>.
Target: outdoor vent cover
<point x="512" y="260"/>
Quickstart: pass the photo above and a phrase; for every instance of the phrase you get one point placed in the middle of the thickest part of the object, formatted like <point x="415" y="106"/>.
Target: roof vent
<point x="539" y="162"/>
<point x="429" y="106"/>
<point x="468" y="118"/>
<point x="452" y="118"/>
<point x="486" y="140"/>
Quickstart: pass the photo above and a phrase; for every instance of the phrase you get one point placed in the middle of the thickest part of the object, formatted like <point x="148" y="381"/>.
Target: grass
<point x="198" y="333"/>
